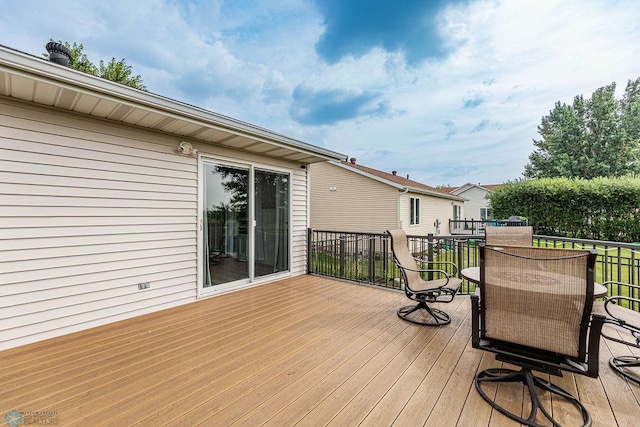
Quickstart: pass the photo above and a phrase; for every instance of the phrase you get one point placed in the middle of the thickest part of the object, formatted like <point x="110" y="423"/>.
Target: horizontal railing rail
<point x="477" y="226"/>
<point x="367" y="257"/>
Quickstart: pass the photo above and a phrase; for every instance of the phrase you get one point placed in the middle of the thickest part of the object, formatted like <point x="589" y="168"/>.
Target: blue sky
<point x="448" y="92"/>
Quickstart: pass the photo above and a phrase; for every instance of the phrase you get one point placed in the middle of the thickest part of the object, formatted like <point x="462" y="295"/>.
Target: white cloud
<point x="509" y="62"/>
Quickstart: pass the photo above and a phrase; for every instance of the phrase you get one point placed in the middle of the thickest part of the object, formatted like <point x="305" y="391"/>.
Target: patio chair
<point x="620" y="315"/>
<point x="534" y="310"/>
<point x="509" y="236"/>
<point x="440" y="286"/>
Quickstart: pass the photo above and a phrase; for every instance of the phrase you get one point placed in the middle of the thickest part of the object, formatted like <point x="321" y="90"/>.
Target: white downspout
<point x="400" y="193"/>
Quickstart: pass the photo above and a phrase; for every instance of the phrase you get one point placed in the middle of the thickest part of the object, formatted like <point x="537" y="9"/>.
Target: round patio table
<point x="472" y="274"/>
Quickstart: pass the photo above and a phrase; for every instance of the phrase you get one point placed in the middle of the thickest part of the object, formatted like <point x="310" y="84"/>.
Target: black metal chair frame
<point x="443" y="293"/>
<point x="533" y="359"/>
<point x="612" y="305"/>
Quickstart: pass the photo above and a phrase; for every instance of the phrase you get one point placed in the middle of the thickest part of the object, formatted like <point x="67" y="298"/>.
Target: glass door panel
<point x="272" y="222"/>
<point x="225" y="220"/>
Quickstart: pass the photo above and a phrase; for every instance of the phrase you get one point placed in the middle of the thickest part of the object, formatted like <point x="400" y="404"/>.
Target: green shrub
<point x="599" y="209"/>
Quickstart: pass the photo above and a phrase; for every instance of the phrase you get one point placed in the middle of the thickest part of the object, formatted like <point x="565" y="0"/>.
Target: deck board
<point x="303" y="351"/>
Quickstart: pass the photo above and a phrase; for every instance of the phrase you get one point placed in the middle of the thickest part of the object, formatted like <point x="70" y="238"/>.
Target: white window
<point x="485" y="213"/>
<point x="414" y="214"/>
<point x="457" y="212"/>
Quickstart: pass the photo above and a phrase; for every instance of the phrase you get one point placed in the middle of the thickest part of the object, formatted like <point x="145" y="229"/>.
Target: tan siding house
<point x="102" y="217"/>
<point x="346" y="196"/>
<point x="344" y="200"/>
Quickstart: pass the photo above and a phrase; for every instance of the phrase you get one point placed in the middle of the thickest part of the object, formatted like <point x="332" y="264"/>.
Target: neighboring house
<point x="476" y="205"/>
<point x="346" y="196"/>
<point x="116" y="202"/>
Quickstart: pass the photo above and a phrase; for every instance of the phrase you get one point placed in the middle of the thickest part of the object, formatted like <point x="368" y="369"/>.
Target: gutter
<point x="400" y="193"/>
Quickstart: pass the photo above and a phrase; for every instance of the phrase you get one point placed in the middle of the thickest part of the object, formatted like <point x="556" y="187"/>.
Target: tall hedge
<point x="599" y="209"/>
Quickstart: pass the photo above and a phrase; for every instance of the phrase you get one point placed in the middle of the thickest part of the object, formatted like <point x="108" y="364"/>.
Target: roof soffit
<point x="35" y="80"/>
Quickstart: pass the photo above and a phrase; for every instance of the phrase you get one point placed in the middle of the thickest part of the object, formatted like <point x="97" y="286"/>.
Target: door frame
<point x="202" y="292"/>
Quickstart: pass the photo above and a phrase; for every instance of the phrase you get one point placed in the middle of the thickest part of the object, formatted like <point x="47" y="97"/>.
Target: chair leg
<point x="531" y="381"/>
<point x="621" y="363"/>
<point x="427" y="315"/>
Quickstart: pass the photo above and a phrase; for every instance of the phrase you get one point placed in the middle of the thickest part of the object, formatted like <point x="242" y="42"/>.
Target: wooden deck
<point x="305" y="351"/>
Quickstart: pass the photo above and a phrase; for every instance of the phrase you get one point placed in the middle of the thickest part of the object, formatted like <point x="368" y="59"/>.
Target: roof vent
<point x="58" y="53"/>
<point x="353" y="160"/>
<point x="394" y="173"/>
<point x="407" y="176"/>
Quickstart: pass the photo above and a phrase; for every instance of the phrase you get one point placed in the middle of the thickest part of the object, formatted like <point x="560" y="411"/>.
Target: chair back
<point x="537" y="297"/>
<point x="509" y="236"/>
<point x="402" y="255"/>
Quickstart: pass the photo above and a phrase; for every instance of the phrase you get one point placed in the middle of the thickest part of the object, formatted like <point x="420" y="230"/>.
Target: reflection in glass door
<point x="272" y="222"/>
<point x="225" y="224"/>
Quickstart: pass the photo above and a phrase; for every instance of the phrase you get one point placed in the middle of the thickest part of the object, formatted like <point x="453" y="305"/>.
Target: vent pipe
<point x="58" y="53"/>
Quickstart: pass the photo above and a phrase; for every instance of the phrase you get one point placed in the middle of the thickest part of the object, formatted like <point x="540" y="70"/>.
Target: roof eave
<point x="40" y="70"/>
<point x="398" y="186"/>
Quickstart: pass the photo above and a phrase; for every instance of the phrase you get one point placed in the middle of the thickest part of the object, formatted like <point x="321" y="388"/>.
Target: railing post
<point x="384" y="259"/>
<point x="342" y="255"/>
<point x="372" y="259"/>
<point x="356" y="257"/>
<point x="309" y="250"/>
<point x="430" y="253"/>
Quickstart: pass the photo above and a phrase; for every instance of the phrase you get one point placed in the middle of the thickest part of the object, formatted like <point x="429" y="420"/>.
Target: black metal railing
<point x="618" y="262"/>
<point x="477" y="226"/>
<point x="367" y="258"/>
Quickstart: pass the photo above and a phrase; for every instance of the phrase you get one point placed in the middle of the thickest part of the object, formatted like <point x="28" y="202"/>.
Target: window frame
<point x="414" y="210"/>
<point x="485" y="213"/>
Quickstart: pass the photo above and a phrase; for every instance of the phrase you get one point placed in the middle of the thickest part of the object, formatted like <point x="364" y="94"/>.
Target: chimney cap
<point x="58" y="53"/>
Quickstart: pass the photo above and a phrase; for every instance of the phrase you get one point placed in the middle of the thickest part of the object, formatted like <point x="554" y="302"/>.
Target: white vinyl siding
<point x="431" y="209"/>
<point x="475" y="203"/>
<point x="88" y="210"/>
<point x="299" y="222"/>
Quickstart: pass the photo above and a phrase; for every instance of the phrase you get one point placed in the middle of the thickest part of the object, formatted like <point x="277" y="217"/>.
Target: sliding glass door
<point x="272" y="222"/>
<point x="235" y="197"/>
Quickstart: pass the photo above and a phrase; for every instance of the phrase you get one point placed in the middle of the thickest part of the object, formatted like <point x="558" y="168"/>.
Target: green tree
<point x="594" y="137"/>
<point x="79" y="59"/>
<point x="117" y="71"/>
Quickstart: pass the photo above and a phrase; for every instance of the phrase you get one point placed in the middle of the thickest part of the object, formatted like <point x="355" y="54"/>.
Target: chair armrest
<point x="475" y="320"/>
<point x="597" y="321"/>
<point x="611" y="283"/>
<point x="452" y="264"/>
<point x="424" y="270"/>
<point x="623" y="316"/>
